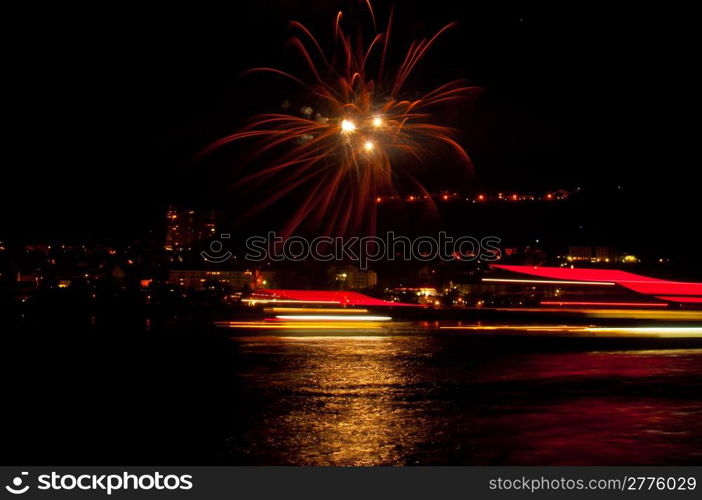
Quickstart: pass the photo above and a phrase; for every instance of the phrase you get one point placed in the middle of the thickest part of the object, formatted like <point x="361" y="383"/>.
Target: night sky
<point x="110" y="103"/>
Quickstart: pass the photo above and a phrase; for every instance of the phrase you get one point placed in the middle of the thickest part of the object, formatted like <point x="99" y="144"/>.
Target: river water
<point x="322" y="399"/>
<point x="401" y="394"/>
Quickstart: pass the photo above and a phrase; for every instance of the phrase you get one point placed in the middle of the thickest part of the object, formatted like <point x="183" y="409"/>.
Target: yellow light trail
<point x="301" y="325"/>
<point x="653" y="331"/>
<point x="674" y="315"/>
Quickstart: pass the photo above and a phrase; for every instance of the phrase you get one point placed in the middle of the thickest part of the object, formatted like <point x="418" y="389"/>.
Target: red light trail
<point x="674" y="291"/>
<point x="612" y="304"/>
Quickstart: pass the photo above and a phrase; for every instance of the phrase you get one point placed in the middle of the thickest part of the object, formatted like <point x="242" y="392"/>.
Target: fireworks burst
<point x="348" y="153"/>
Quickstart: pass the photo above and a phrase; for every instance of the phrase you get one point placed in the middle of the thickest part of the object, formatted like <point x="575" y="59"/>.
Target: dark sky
<point x="110" y="103"/>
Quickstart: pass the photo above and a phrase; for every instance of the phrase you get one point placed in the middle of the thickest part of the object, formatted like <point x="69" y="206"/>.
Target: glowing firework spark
<point x="347" y="126"/>
<point x="345" y="155"/>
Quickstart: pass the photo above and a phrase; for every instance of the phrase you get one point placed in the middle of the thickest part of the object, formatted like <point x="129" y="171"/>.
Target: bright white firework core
<point x="369" y="146"/>
<point x="377" y="121"/>
<point x="347" y="126"/>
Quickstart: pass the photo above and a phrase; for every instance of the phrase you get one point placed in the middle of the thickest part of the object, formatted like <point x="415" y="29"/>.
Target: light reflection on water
<point x="421" y="399"/>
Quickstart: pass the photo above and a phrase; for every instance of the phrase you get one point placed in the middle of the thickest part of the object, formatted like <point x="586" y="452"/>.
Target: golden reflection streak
<point x="348" y="408"/>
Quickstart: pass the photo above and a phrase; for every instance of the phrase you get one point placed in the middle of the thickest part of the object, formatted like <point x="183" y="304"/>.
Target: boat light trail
<point x="589" y="331"/>
<point x="547" y="282"/>
<point x="613" y="304"/>
<point x="276" y="310"/>
<point x="329" y="317"/>
<point x="301" y="325"/>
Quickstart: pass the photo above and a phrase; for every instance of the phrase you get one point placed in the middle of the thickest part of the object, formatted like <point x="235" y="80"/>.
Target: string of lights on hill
<point x="482" y="197"/>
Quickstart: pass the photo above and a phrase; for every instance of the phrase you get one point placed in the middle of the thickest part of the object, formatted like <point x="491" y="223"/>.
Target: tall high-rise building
<point x="185" y="227"/>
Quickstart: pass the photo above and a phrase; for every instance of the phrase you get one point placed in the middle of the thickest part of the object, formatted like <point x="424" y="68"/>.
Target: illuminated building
<point x="197" y="278"/>
<point x="424" y="295"/>
<point x="184" y="228"/>
<point x="630" y="259"/>
<point x="264" y="279"/>
<point x="351" y="278"/>
<point x="592" y="254"/>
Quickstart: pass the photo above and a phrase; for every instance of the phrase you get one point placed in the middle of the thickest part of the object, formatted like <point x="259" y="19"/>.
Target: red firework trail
<point x="351" y="150"/>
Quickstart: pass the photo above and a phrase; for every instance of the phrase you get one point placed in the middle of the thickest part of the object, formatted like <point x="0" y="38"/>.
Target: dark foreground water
<point x="322" y="400"/>
<point x="134" y="395"/>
